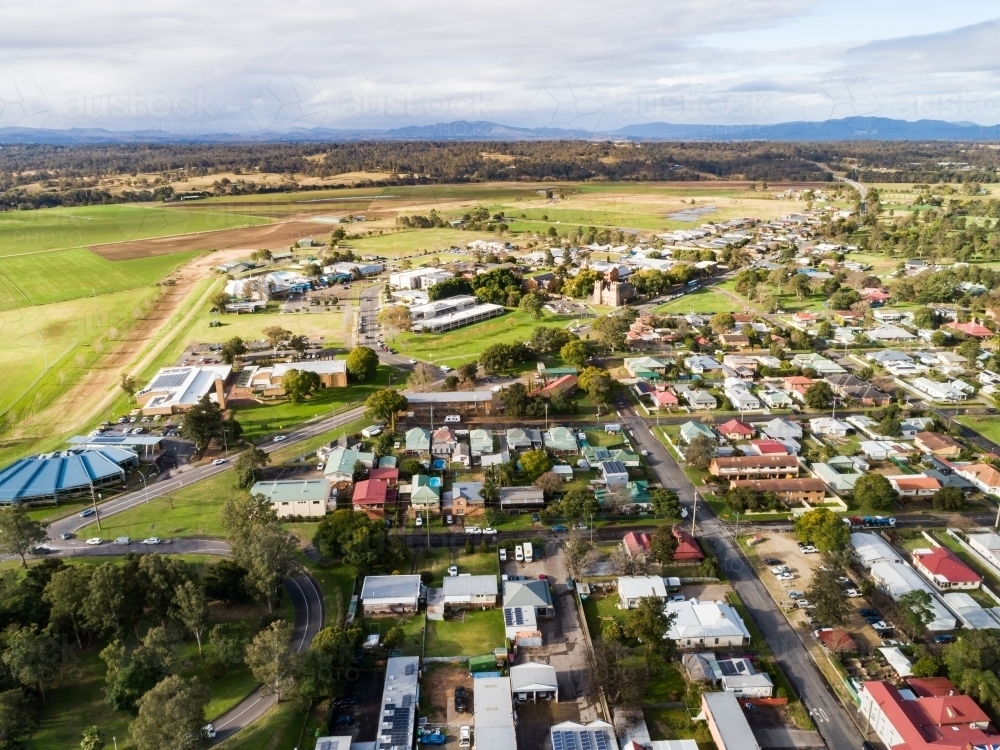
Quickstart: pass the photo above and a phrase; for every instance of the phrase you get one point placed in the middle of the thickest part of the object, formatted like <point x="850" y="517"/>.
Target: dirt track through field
<point x="271" y="236"/>
<point x="99" y="388"/>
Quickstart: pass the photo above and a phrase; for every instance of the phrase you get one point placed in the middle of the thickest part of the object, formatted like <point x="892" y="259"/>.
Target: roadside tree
<point x="362" y="363"/>
<point x="914" y="609"/>
<point x="300" y="384"/>
<point x="874" y="491"/>
<point x="824" y="529"/>
<point x="271" y="659"/>
<point x="19" y="532"/>
<point x="818" y="395"/>
<point x="232" y="350"/>
<point x="171" y="716"/>
<point x="248" y="466"/>
<point x="663" y="545"/>
<point x="700" y="452"/>
<point x="385" y="404"/>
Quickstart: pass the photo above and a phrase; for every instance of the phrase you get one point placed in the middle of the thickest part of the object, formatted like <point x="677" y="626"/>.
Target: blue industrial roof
<point x="45" y="476"/>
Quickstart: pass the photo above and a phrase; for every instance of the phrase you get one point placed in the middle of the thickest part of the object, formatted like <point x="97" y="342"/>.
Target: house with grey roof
<point x="390" y="594"/>
<point x="782" y="428"/>
<point x="518" y="439"/>
<point x="696" y="398"/>
<point x="481" y="441"/>
<point x="614" y="473"/>
<point x="418" y="440"/>
<point x="561" y="440"/>
<point x="521" y="497"/>
<point x="529" y="594"/>
<point x="470" y="591"/>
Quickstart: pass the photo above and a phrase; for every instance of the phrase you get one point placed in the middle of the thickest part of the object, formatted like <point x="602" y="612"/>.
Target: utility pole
<point x="97" y="513"/>
<point x="694" y="511"/>
<point x="97" y="310"/>
<point x="737" y="537"/>
<point x="546" y="416"/>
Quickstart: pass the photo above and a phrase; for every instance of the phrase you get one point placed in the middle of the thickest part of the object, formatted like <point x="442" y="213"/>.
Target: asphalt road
<point x="831" y="719"/>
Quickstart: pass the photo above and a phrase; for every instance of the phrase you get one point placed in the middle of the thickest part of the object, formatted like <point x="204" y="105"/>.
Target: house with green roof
<point x="561" y="440"/>
<point x="423" y="495"/>
<point x="481" y="442"/>
<point x="625" y="456"/>
<point x="638" y="490"/>
<point x="691" y="430"/>
<point x="340" y="464"/>
<point x="549" y="373"/>
<point x="646" y="368"/>
<point x="418" y="440"/>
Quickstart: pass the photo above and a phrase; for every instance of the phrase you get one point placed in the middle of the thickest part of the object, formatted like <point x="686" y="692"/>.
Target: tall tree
<point x="599" y="384"/>
<point x="203" y="422"/>
<point x="700" y="452"/>
<point x="916" y="611"/>
<point x="874" y="491"/>
<point x="248" y="466"/>
<point x="171" y="716"/>
<point x="649" y="622"/>
<point x="663" y="544"/>
<point x="129" y="384"/>
<point x="275" y="335"/>
<point x="362" y="363"/>
<point x="232" y="350"/>
<point x="300" y="384"/>
<point x="26" y="657"/>
<point x="824" y="529"/>
<point x="271" y="659"/>
<point x="191" y="609"/>
<point x="575" y="352"/>
<point x="385" y="404"/>
<point x="159" y="577"/>
<point x="827" y="595"/>
<point x="19" y="532"/>
<point x="818" y="395"/>
<point x="65" y="594"/>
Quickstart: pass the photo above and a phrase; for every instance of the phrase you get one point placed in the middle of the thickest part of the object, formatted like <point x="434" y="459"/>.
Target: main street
<point x="837" y="729"/>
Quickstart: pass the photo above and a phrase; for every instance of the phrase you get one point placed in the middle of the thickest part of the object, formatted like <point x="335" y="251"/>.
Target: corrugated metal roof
<point x="470" y="586"/>
<point x="390" y="587"/>
<point x="729" y="721"/>
<point x="71" y="471"/>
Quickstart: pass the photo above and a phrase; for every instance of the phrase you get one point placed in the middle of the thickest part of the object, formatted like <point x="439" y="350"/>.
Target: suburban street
<point x="831" y="719"/>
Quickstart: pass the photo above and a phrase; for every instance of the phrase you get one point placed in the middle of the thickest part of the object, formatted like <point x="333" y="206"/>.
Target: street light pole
<point x="694" y="511"/>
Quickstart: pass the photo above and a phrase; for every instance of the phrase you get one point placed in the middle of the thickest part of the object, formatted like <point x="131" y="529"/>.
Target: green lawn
<point x="704" y="300"/>
<point x="278" y="729"/>
<point x="676" y="724"/>
<point x="410" y="242"/>
<point x="465" y="344"/>
<point x="477" y="632"/>
<point x="60" y="275"/>
<point x="435" y="562"/>
<point x="988" y="427"/>
<point x="23" y="232"/>
<point x="666" y="686"/>
<point x="263" y="419"/>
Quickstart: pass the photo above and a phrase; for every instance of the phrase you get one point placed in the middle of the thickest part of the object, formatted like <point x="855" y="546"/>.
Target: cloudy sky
<point x="192" y="66"/>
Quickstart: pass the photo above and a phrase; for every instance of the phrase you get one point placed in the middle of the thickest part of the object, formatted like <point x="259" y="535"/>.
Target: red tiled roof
<point x="875" y="294"/>
<point x="942" y="562"/>
<point x="664" y="397"/>
<point x="798" y="380"/>
<point x="916" y="482"/>
<point x="982" y="473"/>
<point x="735" y="427"/>
<point x="560" y="384"/>
<point x="390" y="475"/>
<point x="373" y="492"/>
<point x="753" y="462"/>
<point x="687" y="547"/>
<point x="937" y="723"/>
<point x="971" y="329"/>
<point x="636" y="542"/>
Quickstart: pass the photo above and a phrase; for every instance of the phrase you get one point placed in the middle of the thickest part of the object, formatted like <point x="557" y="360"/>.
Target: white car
<point x="852" y="593"/>
<point x="503" y="554"/>
<point x="94" y="540"/>
<point x="209" y="731"/>
<point x="778" y="570"/>
<point x="413" y="361"/>
<point x="151" y="540"/>
<point x="419" y="521"/>
<point x="218" y="462"/>
<point x="445" y="368"/>
<point x="644" y="452"/>
<point x="465" y="737"/>
<point x="488" y="530"/>
<point x="452" y="570"/>
<point x="802" y="603"/>
<point x="123" y="541"/>
<point x="449" y="520"/>
<point x="473" y="530"/>
<point x="785" y="577"/>
<point x="277" y="438"/>
<point x="809" y="550"/>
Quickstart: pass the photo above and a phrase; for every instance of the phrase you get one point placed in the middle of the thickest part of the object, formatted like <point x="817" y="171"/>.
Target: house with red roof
<point x="769" y="448"/>
<point x="914" y="485"/>
<point x="664" y="399"/>
<point x="562" y="385"/>
<point x="875" y="296"/>
<point x="687" y="548"/>
<point x="972" y="328"/>
<point x="944" y="570"/>
<point x="805" y="317"/>
<point x="734" y="429"/>
<point x="636" y="543"/>
<point x="373" y="496"/>
<point x="925" y="716"/>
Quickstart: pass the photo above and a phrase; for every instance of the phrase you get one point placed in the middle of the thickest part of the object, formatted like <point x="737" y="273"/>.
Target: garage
<point x="534" y="682"/>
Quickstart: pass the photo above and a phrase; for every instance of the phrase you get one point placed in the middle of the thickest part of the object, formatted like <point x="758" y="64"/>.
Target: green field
<point x="330" y="324"/>
<point x="23" y="232"/>
<point x="988" y="427"/>
<point x="703" y="301"/>
<point x="465" y="344"/>
<point x="472" y="633"/>
<point x="411" y="242"/>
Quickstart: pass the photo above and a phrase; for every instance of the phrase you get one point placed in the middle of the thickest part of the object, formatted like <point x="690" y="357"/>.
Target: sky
<point x="196" y="67"/>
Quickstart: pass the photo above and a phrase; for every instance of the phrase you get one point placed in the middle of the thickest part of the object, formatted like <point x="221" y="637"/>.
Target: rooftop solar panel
<point x="168" y="380"/>
<point x="557" y="741"/>
<point x="585" y="741"/>
<point x="602" y="740"/>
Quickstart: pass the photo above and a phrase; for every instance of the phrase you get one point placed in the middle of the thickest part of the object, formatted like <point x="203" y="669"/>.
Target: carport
<point x="533" y="681"/>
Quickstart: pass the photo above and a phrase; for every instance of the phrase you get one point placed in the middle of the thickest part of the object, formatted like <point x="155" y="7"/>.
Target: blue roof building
<point x="56" y="475"/>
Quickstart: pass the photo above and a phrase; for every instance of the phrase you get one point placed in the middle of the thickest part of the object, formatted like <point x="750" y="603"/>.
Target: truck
<point x="528" y="552"/>
<point x="870" y="522"/>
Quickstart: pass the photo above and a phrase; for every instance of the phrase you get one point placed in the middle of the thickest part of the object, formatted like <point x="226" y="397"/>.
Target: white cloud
<point x="256" y="65"/>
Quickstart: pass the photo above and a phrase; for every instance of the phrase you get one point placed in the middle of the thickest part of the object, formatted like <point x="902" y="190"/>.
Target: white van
<point x="373" y="431"/>
<point x="528" y="552"/>
<point x="519" y="553"/>
<point x="453" y="418"/>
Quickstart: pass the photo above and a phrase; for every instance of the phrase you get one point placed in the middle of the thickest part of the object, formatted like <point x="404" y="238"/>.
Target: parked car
<point x="343" y="720"/>
<point x="785" y="577"/>
<point x="449" y="520"/>
<point x="503" y="554"/>
<point x="535" y="518"/>
<point x="488" y="531"/>
<point x="676" y="598"/>
<point x="772" y="561"/>
<point x="437" y="737"/>
<point x="868" y="612"/>
<point x="795" y="594"/>
<point x="94" y="540"/>
<point x="465" y="737"/>
<point x="944" y="638"/>
<point x="802" y="603"/>
<point x="419" y="521"/>
<point x="779" y="569"/>
<point x="852" y="593"/>
<point x="872" y="619"/>
<point x="473" y="530"/>
<point x="452" y="570"/>
<point x="461" y="699"/>
<point x="809" y="550"/>
<point x="123" y="541"/>
<point x="559" y="528"/>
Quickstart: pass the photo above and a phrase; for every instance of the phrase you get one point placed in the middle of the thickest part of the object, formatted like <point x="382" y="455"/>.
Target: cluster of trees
<point x="432" y="221"/>
<point x="501" y="286"/>
<point x="359" y="541"/>
<point x="743" y="499"/>
<point x="205" y="422"/>
<point x="519" y="403"/>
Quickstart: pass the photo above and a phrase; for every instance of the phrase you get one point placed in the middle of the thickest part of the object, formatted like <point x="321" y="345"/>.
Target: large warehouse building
<point x="176" y="389"/>
<point x="59" y="475"/>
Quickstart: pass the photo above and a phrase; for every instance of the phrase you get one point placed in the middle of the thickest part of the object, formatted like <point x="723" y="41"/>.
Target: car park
<point x="94" y="540"/>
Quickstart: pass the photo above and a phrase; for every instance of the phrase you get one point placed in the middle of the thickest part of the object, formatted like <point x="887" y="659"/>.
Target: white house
<point x="470" y="591"/>
<point x="938" y="391"/>
<point x="699" y="624"/>
<point x="871" y="549"/>
<point x="740" y="396"/>
<point x="633" y="588"/>
<point x="390" y="593"/>
<point x="829" y="427"/>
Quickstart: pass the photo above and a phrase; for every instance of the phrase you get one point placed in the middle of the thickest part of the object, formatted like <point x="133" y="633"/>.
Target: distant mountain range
<point x="854" y="128"/>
